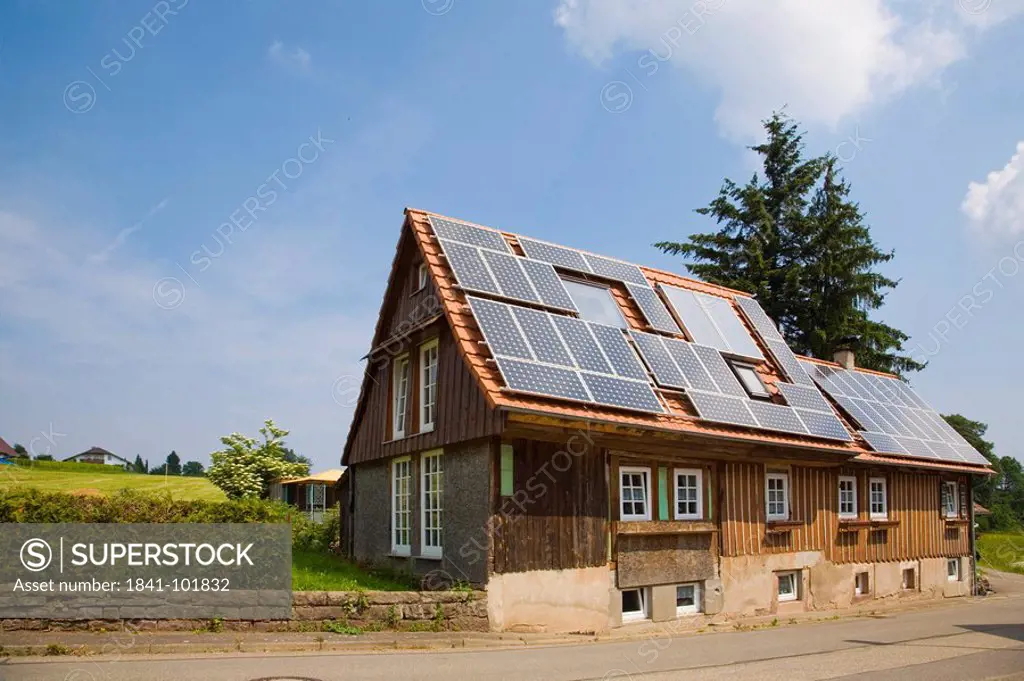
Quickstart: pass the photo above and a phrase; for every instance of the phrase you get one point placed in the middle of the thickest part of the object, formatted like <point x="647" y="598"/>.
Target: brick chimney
<point x="846" y="353"/>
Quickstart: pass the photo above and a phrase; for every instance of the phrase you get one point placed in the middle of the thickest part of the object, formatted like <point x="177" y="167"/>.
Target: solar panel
<point x="653" y="309"/>
<point x="758" y="318"/>
<point x="618" y="351"/>
<point x="693" y="369"/>
<point x="499" y="328"/>
<point x="777" y="417"/>
<point x="468" y="267"/>
<point x="710" y="320"/>
<point x="557" y="255"/>
<point x="945" y="451"/>
<point x="468" y="234"/>
<point x="656" y="357"/>
<point x="621" y="392"/>
<point x="884" y="444"/>
<point x="540" y="333"/>
<point x="722" y="408"/>
<point x="970" y="455"/>
<point x="547" y="284"/>
<point x="735" y="334"/>
<point x="542" y="379"/>
<point x="509" y="276"/>
<point x="720" y="372"/>
<point x="615" y="269"/>
<point x="581" y="344"/>
<point x="825" y="425"/>
<point x="859" y="415"/>
<point x="787" y="361"/>
<point x="917" y="447"/>
<point x="804" y="397"/>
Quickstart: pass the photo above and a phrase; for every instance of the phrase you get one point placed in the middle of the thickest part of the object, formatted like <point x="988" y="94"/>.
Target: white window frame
<point x="699" y="474"/>
<point x="646" y="473"/>
<point x="645" y="606"/>
<point x="398" y="515"/>
<point x="428" y="386"/>
<point x="861" y="589"/>
<point x="848" y="515"/>
<point x="884" y="513"/>
<point x="422" y="277"/>
<point x="784" y="477"/>
<point x="399" y="396"/>
<point x="689" y="609"/>
<point x="951" y="494"/>
<point x="790" y="597"/>
<point x="431" y="502"/>
<point x="955" y="577"/>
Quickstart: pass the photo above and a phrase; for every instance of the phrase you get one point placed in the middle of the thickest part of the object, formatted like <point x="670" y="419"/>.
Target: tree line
<point x="792" y="236"/>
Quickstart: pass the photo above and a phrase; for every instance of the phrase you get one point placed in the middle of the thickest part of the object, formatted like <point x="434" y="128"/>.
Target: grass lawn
<point x="74" y="482"/>
<point x="324" y="572"/>
<point x="1002" y="551"/>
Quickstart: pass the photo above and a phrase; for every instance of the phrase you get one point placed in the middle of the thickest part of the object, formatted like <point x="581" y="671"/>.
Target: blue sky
<point x="134" y="131"/>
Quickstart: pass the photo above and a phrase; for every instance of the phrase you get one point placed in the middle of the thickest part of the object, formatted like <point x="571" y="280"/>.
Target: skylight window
<point x="595" y="303"/>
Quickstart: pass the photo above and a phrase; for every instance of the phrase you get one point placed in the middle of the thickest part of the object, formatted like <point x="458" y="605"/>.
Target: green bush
<point x="319" y="537"/>
<point x="69" y="466"/>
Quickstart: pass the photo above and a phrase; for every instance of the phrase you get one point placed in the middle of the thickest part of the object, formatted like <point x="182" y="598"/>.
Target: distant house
<point x="312" y="494"/>
<point x="6" y="451"/>
<point x="99" y="455"/>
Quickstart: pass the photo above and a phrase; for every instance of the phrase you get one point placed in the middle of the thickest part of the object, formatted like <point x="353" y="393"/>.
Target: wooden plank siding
<point x="462" y="410"/>
<point x="915" y="527"/>
<point x="555" y="519"/>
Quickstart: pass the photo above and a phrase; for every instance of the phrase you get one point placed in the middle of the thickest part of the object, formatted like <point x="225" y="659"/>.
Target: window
<point x="879" y="500"/>
<point x="430" y="503"/>
<point x="847" y="497"/>
<point x="788" y="586"/>
<point x="688" y="599"/>
<point x="401" y="506"/>
<point x="953" y="569"/>
<point x="950" y="500"/>
<point x="634" y="605"/>
<point x="909" y="579"/>
<point x="634" y="493"/>
<point x="689" y="504"/>
<point x="751" y="380"/>
<point x="595" y="303"/>
<point x="777" y="495"/>
<point x="428" y="386"/>
<point x="861" y="586"/>
<point x="422" y="277"/>
<point x="399" y="394"/>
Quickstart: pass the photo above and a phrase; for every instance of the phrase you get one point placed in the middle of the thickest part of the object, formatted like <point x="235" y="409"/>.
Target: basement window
<point x="861" y="585"/>
<point x="788" y="586"/>
<point x="909" y="579"/>
<point x="751" y="380"/>
<point x="688" y="599"/>
<point x="634" y="605"/>
<point x="953" y="569"/>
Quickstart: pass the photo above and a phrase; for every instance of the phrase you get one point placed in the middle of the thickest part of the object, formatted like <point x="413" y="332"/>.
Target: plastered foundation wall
<point x="551" y="600"/>
<point x="748" y="582"/>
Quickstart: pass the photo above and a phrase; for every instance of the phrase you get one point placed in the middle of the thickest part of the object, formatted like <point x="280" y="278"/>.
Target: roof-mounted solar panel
<point x="468" y="234"/>
<point x="710" y="320"/>
<point x="653" y="309"/>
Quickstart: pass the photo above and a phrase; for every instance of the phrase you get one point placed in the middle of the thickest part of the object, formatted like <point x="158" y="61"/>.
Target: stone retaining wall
<point x="369" y="610"/>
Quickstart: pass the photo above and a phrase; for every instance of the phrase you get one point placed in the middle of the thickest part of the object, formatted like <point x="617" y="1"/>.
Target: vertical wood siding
<point x="556" y="518"/>
<point x="917" y="528"/>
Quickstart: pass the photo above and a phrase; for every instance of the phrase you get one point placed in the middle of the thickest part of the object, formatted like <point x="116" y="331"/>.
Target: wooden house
<point x="597" y="443"/>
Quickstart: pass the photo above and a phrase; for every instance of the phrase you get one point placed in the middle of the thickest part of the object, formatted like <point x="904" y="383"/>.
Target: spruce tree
<point x="795" y="240"/>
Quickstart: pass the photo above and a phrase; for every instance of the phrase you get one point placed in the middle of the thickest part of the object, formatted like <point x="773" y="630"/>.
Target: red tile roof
<point x="682" y="419"/>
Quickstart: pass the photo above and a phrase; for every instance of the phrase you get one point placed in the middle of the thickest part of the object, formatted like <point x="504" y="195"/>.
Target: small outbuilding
<point x="312" y="494"/>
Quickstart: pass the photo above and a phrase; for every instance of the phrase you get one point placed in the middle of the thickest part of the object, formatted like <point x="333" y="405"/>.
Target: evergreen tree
<point x="138" y="466"/>
<point x="796" y="241"/>
<point x="20" y="450"/>
<point x="193" y="469"/>
<point x="173" y="463"/>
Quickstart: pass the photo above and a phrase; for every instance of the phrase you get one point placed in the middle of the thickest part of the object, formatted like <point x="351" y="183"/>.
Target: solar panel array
<point x="579" y="261"/>
<point x="892" y="418"/>
<point x="552" y="355"/>
<point x="710" y="320"/>
<point x="777" y="346"/>
<point x="718" y="396"/>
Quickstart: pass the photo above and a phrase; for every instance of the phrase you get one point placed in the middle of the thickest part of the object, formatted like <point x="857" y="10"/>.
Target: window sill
<point x="652" y="527"/>
<point x="853" y="525"/>
<point x="407" y="555"/>
<point x="777" y="526"/>
<point x="884" y="523"/>
<point x="956" y="522"/>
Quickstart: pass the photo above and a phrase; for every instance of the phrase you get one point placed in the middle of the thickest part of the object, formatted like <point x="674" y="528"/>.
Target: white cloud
<point x="295" y="57"/>
<point x="826" y="60"/>
<point x="995" y="207"/>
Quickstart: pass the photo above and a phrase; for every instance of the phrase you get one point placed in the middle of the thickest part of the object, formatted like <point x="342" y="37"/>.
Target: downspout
<point x="974" y="548"/>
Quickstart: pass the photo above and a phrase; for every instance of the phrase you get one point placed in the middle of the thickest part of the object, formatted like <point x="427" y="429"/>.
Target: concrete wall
<point x="553" y="600"/>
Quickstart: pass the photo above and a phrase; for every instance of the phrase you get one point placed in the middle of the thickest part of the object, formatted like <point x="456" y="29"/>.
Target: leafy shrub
<point x="319" y="537"/>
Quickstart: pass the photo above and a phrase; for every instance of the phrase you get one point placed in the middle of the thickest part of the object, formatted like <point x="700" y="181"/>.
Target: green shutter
<point x="663" y="493"/>
<point x="507" y="478"/>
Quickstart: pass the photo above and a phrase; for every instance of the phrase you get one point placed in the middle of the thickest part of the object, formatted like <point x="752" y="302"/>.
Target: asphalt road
<point x="980" y="639"/>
